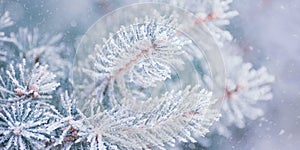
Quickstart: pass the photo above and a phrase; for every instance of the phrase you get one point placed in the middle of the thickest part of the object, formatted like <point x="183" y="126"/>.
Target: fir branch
<point x="214" y="14"/>
<point x="69" y="123"/>
<point x="245" y="87"/>
<point x="23" y="125"/>
<point x="174" y="118"/>
<point x="22" y="83"/>
<point x="143" y="50"/>
<point x="37" y="47"/>
<point x="139" y="56"/>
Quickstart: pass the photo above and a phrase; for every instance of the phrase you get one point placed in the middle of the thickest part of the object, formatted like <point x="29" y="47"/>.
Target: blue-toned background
<point x="268" y="31"/>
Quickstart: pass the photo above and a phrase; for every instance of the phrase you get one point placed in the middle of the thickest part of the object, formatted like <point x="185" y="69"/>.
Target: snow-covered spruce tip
<point x="245" y="87"/>
<point x="21" y="83"/>
<point x="24" y="125"/>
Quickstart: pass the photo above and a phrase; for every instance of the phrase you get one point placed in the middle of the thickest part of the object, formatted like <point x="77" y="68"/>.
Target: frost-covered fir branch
<point x="179" y="116"/>
<point x="215" y="14"/>
<point x="138" y="56"/>
<point x="20" y="83"/>
<point x="143" y="50"/>
<point x="69" y="123"/>
<point x="38" y="47"/>
<point x="245" y="87"/>
<point x="24" y="125"/>
<point x="119" y="111"/>
<point x="130" y="62"/>
<point x="25" y="40"/>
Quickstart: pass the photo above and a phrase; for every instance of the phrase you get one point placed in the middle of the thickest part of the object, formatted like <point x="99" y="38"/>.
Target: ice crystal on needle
<point x="21" y="83"/>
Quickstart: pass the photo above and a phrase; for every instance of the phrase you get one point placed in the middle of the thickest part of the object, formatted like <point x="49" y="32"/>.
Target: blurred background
<point x="268" y="32"/>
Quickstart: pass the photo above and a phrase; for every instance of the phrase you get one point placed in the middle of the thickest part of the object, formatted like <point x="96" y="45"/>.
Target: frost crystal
<point x="24" y="84"/>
